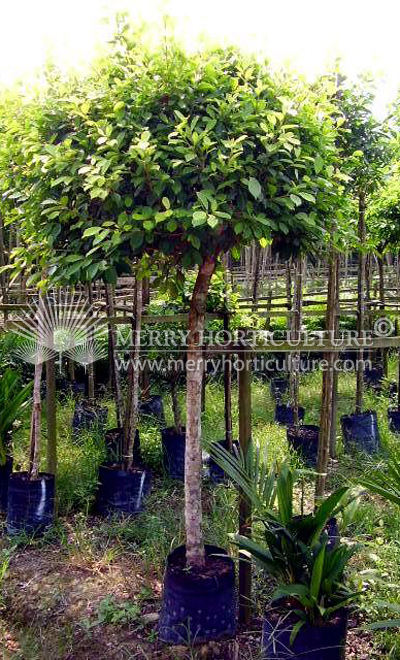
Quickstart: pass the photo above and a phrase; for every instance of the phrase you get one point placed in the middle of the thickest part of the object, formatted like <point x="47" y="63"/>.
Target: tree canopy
<point x="160" y="152"/>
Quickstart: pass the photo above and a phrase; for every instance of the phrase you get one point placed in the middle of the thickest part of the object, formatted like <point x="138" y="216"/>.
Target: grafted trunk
<point x="112" y="343"/>
<point x="194" y="368"/>
<point x="132" y="403"/>
<point x="361" y="301"/>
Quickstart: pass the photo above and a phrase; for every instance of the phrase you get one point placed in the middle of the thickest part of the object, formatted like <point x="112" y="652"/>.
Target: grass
<point x="91" y="587"/>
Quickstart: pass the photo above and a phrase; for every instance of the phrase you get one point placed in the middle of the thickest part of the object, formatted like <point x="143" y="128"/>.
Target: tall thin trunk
<point x="51" y="416"/>
<point x="194" y="368"/>
<point x="335" y="382"/>
<point x="381" y="271"/>
<point x="296" y="332"/>
<point x="91" y="365"/>
<point x="132" y="403"/>
<point x="112" y="339"/>
<point x="327" y="384"/>
<point x="36" y="419"/>
<point x="361" y="301"/>
<point x="256" y="276"/>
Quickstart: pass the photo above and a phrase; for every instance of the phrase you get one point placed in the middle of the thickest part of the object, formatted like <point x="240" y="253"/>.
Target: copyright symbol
<point x="383" y="327"/>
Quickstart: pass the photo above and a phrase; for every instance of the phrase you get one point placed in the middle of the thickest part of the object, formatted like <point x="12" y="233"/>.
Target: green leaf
<point x="318" y="164"/>
<point x="136" y="239"/>
<point x="166" y="203"/>
<point x="316" y="576"/>
<point x="91" y="231"/>
<point x="199" y="218"/>
<point x="212" y="221"/>
<point x="307" y="196"/>
<point x="254" y="187"/>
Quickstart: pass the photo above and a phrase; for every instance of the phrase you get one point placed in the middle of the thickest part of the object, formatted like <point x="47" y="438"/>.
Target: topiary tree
<point x="178" y="159"/>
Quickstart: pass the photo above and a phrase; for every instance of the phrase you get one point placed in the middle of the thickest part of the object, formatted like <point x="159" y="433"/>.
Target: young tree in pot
<point x="364" y="143"/>
<point x="31" y="500"/>
<point x="383" y="222"/>
<point x="13" y="400"/>
<point x="181" y="157"/>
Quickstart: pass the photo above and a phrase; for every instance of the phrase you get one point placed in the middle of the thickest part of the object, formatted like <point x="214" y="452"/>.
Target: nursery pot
<point x="30" y="506"/>
<point x="326" y="642"/>
<point x="121" y="491"/>
<point x="216" y="473"/>
<point x="5" y="472"/>
<point x="114" y="439"/>
<point x="394" y="420"/>
<point x="361" y="431"/>
<point x="153" y="407"/>
<point x="198" y="605"/>
<point x="279" y="386"/>
<point x="304" y="440"/>
<point x="373" y="377"/>
<point x="173" y="445"/>
<point x="284" y="414"/>
<point x="88" y="416"/>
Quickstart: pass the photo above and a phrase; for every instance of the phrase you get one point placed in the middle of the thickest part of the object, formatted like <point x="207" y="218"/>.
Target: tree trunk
<point x="132" y="403"/>
<point x="91" y="365"/>
<point x="228" y="391"/>
<point x="112" y="339"/>
<point x="296" y="332"/>
<point x="36" y="419"/>
<point x="335" y="382"/>
<point x="51" y="416"/>
<point x="361" y="301"/>
<point x="245" y="513"/>
<point x="256" y="276"/>
<point x="381" y="270"/>
<point x="194" y="369"/>
<point x="327" y="386"/>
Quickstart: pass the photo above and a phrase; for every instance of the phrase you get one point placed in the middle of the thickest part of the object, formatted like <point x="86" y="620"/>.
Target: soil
<point x="51" y="601"/>
<point x="213" y="567"/>
<point x="303" y="433"/>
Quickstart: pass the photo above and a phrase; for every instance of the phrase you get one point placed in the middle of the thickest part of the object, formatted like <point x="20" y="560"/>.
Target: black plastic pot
<point x="216" y="473"/>
<point x="173" y="445"/>
<point x="121" y="491"/>
<point x="114" y="439"/>
<point x="304" y="440"/>
<point x="326" y="642"/>
<point x="5" y="472"/>
<point x="198" y="607"/>
<point x="373" y="377"/>
<point x="361" y="431"/>
<point x="394" y="420"/>
<point x="284" y="414"/>
<point x="279" y="386"/>
<point x="30" y="506"/>
<point x="88" y="417"/>
<point x="153" y="407"/>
